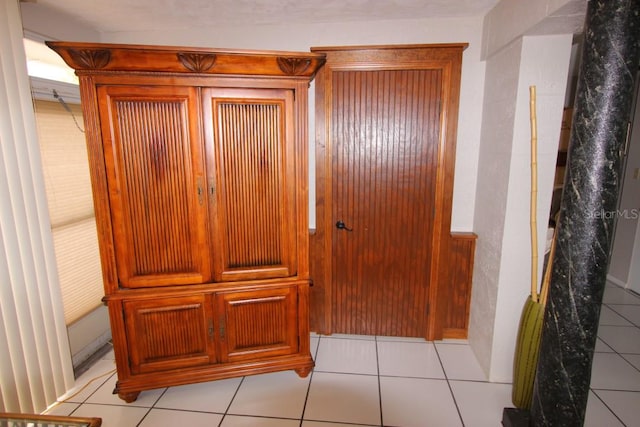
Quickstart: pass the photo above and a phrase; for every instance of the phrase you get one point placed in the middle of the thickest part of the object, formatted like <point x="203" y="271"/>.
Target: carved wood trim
<point x="91" y="58"/>
<point x="293" y="66"/>
<point x="104" y="57"/>
<point x="197" y="62"/>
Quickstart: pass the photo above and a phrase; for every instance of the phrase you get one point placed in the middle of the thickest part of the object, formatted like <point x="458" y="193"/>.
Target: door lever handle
<point x="341" y="226"/>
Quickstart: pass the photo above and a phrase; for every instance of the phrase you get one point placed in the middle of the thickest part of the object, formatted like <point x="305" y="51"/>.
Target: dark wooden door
<point x="385" y="128"/>
<point x="385" y="121"/>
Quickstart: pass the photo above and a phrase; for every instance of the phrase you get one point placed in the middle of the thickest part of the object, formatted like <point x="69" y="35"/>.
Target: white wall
<point x="501" y="88"/>
<point x="625" y="255"/>
<point x="519" y="53"/>
<point x="502" y="278"/>
<point x="545" y="64"/>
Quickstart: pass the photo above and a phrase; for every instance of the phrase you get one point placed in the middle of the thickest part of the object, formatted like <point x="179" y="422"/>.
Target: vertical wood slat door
<point x="253" y="190"/>
<point x="156" y="184"/>
<point x="386" y="118"/>
<point x="385" y="128"/>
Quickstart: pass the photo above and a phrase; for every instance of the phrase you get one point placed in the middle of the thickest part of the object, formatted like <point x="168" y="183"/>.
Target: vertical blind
<point x="35" y="363"/>
<point x="68" y="189"/>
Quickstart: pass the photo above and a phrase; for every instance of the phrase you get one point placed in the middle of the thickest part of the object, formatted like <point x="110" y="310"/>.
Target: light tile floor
<point x="374" y="381"/>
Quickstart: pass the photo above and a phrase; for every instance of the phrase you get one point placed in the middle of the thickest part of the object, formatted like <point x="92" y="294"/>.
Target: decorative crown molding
<point x="197" y="62"/>
<point x="293" y="66"/>
<point x="91" y="58"/>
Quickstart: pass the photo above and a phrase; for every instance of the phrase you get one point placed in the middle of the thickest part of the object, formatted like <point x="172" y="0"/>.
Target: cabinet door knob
<point x="341" y="226"/>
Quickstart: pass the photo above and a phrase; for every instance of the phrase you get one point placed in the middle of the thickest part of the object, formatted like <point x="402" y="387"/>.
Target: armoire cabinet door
<point x="169" y="333"/>
<point x="259" y="323"/>
<point x="157" y="186"/>
<point x="250" y="139"/>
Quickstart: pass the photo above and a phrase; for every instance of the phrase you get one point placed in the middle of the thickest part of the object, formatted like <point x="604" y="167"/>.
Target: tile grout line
<point x="226" y="411"/>
<point x="146" y="414"/>
<point x="595" y="391"/>
<point x="379" y="384"/>
<point x="446" y="377"/>
<point x="306" y="398"/>
<point x="607" y="406"/>
<point x="621" y="355"/>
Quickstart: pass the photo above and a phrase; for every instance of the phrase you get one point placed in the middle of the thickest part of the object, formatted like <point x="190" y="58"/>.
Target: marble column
<point x="601" y="114"/>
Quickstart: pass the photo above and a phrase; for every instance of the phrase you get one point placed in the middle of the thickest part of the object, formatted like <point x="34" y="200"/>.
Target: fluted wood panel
<point x="156" y="186"/>
<point x="154" y="140"/>
<point x="167" y="331"/>
<point x="254" y="205"/>
<point x="385" y="129"/>
<point x="262" y="321"/>
<point x="268" y="315"/>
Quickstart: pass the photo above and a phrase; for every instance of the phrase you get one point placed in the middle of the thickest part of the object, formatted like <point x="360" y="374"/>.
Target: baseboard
<point x="88" y="354"/>
<point x="88" y="335"/>
<point x="615" y="281"/>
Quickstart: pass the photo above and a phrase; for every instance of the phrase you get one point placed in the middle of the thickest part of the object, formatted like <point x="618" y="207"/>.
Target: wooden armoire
<point x="198" y="161"/>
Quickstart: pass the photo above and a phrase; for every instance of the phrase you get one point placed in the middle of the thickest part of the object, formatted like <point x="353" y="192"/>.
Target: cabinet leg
<point x="129" y="397"/>
<point x="304" y="372"/>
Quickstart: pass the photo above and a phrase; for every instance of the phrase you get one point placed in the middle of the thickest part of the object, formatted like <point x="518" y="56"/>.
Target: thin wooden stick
<point x="534" y="194"/>
<point x="544" y="291"/>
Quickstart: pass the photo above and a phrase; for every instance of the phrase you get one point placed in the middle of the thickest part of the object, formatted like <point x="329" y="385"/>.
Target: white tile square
<point x="481" y="403"/>
<point x="409" y="359"/>
<point x="598" y="414"/>
<point x="173" y="418"/>
<point x="628" y="312"/>
<point x="242" y="421"/>
<point x="354" y="356"/>
<point x="624" y="404"/>
<point x="459" y="362"/>
<point x="634" y="359"/>
<point x="104" y="395"/>
<point x="63" y="409"/>
<point x="343" y="398"/>
<point x="611" y="372"/>
<point x="278" y="394"/>
<point x="418" y="402"/>
<point x="623" y="339"/>
<point x="314" y="346"/>
<point x="618" y="295"/>
<point x="612" y="318"/>
<point x="90" y="381"/>
<point x="212" y="396"/>
<point x="601" y="347"/>
<point x="113" y="415"/>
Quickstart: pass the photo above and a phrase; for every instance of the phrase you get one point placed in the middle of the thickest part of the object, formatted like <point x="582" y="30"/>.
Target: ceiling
<point x="148" y="15"/>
